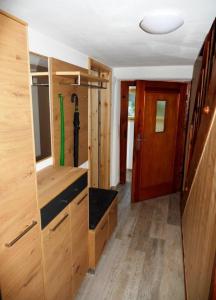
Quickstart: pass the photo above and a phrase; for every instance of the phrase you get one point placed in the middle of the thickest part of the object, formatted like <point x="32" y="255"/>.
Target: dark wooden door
<point x="158" y="126"/>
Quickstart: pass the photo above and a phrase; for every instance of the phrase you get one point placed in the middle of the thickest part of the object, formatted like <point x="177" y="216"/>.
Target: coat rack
<point x="78" y="78"/>
<point x="38" y="75"/>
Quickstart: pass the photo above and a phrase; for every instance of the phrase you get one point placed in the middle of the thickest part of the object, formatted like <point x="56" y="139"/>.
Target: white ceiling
<point x="109" y="30"/>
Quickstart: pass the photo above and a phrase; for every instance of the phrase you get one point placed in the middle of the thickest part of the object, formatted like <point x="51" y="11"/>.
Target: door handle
<point x="139" y="140"/>
<point x="29" y="227"/>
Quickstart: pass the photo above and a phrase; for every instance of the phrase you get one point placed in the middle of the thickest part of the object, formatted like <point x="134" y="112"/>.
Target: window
<point x="160" y="115"/>
<point x="131" y="102"/>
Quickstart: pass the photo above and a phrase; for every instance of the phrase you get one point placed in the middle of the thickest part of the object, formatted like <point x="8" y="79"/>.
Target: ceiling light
<point x="161" y="22"/>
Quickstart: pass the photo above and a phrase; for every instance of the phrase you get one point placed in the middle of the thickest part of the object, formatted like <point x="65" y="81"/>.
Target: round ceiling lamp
<point x="161" y="22"/>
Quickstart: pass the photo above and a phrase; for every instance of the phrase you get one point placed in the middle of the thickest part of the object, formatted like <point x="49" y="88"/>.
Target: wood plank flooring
<point x="143" y="260"/>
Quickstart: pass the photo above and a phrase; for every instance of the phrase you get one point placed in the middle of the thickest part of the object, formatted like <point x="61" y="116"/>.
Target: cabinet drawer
<point x="79" y="239"/>
<point x="101" y="237"/>
<point x="55" y="206"/>
<point x="79" y="225"/>
<point x="79" y="209"/>
<point x="56" y="240"/>
<point x="113" y="215"/>
<point x="79" y="233"/>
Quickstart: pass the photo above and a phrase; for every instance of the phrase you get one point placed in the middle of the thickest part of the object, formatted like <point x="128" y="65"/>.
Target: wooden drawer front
<point x="113" y="215"/>
<point x="79" y="226"/>
<point x="54" y="207"/>
<point x="56" y="239"/>
<point x="21" y="270"/>
<point x="79" y="238"/>
<point x="79" y="209"/>
<point x="101" y="237"/>
<point x="80" y="267"/>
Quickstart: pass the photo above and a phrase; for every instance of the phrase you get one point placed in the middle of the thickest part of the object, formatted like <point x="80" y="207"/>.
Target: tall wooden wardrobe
<point x="20" y="250"/>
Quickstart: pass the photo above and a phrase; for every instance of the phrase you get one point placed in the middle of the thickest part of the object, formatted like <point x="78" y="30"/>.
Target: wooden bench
<point x="102" y="222"/>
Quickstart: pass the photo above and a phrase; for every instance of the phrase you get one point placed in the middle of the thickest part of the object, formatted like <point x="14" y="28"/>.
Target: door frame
<point x="181" y="87"/>
<point x="124" y="127"/>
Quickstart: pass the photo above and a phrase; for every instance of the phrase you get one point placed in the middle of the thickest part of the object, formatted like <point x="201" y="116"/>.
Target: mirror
<point x="41" y="105"/>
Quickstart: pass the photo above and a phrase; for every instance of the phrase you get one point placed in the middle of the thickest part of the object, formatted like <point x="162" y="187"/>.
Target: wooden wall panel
<point x="195" y="81"/>
<point x="66" y="90"/>
<point x="105" y="109"/>
<point x="202" y="108"/>
<point x="20" y="263"/>
<point x="93" y="141"/>
<point x="99" y="128"/>
<point x="212" y="294"/>
<point x="199" y="224"/>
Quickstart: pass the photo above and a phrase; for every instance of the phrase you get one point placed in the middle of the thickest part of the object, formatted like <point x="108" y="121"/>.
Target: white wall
<point x="115" y="140"/>
<point x="130" y="143"/>
<point x="165" y="73"/>
<point x="154" y="73"/>
<point x="45" y="45"/>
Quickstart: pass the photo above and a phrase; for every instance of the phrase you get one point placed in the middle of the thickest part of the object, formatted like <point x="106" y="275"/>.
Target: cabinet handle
<point x="29" y="227"/>
<point x="102" y="228"/>
<point x="59" y="223"/>
<point x="80" y="201"/>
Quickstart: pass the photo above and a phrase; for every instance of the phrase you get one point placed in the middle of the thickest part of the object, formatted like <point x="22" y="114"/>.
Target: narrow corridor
<point x="143" y="260"/>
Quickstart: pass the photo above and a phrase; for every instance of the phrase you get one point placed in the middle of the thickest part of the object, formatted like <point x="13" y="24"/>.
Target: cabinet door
<point x="113" y="212"/>
<point x="101" y="237"/>
<point x="56" y="241"/>
<point x="79" y="226"/>
<point x="20" y="271"/>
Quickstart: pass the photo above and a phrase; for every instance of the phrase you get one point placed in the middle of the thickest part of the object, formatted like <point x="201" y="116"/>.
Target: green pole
<point x="62" y="137"/>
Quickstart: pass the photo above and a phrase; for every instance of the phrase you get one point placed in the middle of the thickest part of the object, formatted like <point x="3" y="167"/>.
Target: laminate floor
<point x="143" y="259"/>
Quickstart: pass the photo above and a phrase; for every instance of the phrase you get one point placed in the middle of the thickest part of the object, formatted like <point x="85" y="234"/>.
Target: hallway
<point x="143" y="260"/>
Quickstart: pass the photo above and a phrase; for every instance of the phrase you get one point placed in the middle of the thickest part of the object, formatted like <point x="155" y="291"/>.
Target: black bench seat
<point x="99" y="201"/>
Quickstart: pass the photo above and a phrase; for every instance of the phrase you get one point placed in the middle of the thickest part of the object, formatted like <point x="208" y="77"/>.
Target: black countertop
<point x="99" y="201"/>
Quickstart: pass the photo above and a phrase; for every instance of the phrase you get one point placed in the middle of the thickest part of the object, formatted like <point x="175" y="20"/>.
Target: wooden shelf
<point x="39" y="74"/>
<point x="81" y="76"/>
<point x="98" y="66"/>
<point x="53" y="180"/>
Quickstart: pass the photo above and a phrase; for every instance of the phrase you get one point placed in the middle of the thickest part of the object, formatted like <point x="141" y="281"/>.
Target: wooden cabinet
<point x="98" y="237"/>
<point x="113" y="216"/>
<point x="56" y="245"/>
<point x="20" y="252"/>
<point x="63" y="201"/>
<point x="21" y="272"/>
<point x="101" y="237"/>
<point x="79" y="236"/>
<point x="97" y="241"/>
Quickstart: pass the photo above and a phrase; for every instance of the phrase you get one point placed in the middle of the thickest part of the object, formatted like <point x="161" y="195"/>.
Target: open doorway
<point x="128" y="96"/>
<point x="152" y="137"/>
